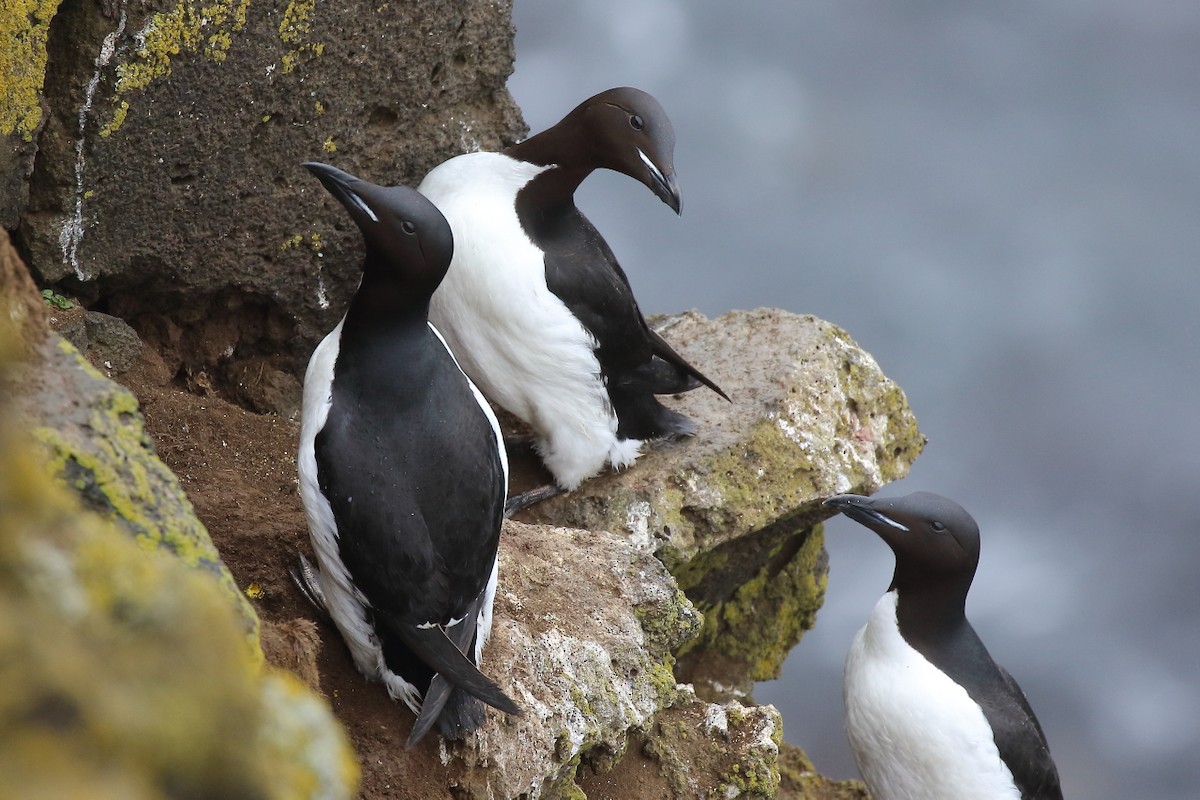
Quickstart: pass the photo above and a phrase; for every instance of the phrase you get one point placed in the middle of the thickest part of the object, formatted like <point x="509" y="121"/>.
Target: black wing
<point x="1022" y="744"/>
<point x="582" y="271"/>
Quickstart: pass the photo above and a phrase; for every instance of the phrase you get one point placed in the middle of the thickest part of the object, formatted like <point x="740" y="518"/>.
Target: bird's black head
<point x="621" y="129"/>
<point x="406" y="237"/>
<point x="934" y="539"/>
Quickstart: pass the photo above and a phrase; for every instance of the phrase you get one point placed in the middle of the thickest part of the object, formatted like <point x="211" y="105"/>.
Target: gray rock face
<point x="812" y="416"/>
<point x="584" y="628"/>
<point x="734" y="512"/>
<point x="168" y="178"/>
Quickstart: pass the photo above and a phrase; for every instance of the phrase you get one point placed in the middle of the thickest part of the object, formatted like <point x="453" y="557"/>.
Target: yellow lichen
<point x="289" y="243"/>
<point x="187" y="28"/>
<point x="24" y="29"/>
<point x="294" y="29"/>
<point x="218" y="46"/>
<point x="296" y="22"/>
<point x="122" y="110"/>
<point x="329" y="146"/>
<point x="117" y="474"/>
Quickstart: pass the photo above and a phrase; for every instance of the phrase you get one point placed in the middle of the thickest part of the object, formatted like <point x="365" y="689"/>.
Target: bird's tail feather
<point x="434" y="647"/>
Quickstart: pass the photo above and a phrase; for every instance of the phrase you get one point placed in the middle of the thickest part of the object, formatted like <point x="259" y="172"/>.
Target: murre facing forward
<point x="929" y="714"/>
<point x="402" y="473"/>
<point x="535" y="305"/>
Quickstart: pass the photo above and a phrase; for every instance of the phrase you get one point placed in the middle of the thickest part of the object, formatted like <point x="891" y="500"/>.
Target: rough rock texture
<point x="558" y="586"/>
<point x="799" y="780"/>
<point x="734" y="511"/>
<point x="705" y="751"/>
<point x="125" y="672"/>
<point x="24" y="30"/>
<point x="584" y="630"/>
<point x="167" y="188"/>
<point x="96" y="444"/>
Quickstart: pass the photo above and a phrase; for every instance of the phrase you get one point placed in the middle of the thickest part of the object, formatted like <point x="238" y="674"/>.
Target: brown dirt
<point x="239" y="470"/>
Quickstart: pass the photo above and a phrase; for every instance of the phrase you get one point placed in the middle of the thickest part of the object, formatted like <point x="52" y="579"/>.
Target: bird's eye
<point x="636" y="122"/>
<point x="937" y="526"/>
<point x="408" y="227"/>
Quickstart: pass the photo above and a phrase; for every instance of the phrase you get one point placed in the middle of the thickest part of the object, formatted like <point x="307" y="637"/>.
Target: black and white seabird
<point x="402" y="472"/>
<point x="929" y="714"/>
<point x="535" y="305"/>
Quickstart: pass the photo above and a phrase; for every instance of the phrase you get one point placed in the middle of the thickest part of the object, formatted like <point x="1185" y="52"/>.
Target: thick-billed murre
<point x="929" y="714"/>
<point x="535" y="305"/>
<point x="402" y="473"/>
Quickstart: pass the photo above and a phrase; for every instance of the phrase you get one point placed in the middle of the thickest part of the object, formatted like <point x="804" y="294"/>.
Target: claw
<point x="308" y="580"/>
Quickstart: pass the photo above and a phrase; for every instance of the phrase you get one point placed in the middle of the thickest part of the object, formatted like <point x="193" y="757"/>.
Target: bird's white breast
<point x="511" y="334"/>
<point x="915" y="733"/>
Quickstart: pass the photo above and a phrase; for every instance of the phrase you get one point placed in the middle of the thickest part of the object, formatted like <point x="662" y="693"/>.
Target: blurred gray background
<point x="1001" y="202"/>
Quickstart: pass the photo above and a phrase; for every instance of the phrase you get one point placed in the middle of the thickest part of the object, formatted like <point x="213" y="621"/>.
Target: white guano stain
<point x="637" y="522"/>
<point x="72" y="231"/>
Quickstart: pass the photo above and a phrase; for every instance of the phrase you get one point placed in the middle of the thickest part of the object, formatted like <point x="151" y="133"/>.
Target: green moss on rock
<point x="752" y="622"/>
<point x="799" y="780"/>
<point x="127" y="674"/>
<point x="97" y="446"/>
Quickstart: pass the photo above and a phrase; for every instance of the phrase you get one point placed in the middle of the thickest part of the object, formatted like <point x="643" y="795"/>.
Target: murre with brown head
<point x="402" y="473"/>
<point x="535" y="305"/>
<point x="929" y="714"/>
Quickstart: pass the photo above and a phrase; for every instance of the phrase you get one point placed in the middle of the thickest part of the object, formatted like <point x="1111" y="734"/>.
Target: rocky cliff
<point x="152" y="151"/>
<point x="150" y="171"/>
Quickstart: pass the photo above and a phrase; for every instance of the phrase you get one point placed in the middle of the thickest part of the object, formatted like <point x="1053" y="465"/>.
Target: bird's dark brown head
<point x="621" y="129"/>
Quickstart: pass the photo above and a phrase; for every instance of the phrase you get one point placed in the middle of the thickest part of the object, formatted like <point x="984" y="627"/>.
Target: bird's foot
<point x="519" y="502"/>
<point x="308" y="580"/>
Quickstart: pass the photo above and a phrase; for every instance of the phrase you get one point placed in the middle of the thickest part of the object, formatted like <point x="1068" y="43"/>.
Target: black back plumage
<point x="408" y="460"/>
<point x="936" y="544"/>
<point x="625" y="130"/>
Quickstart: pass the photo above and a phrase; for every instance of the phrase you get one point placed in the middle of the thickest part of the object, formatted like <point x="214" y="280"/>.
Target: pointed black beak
<point x="352" y="192"/>
<point x="663" y="184"/>
<point x="668" y="192"/>
<point x="862" y="510"/>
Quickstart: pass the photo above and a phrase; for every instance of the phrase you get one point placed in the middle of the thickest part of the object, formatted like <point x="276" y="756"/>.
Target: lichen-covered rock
<point x="582" y="640"/>
<point x="125" y="673"/>
<point x="168" y="178"/>
<point x="812" y="415"/>
<point x="734" y="512"/>
<point x="711" y="751"/>
<point x="799" y="780"/>
<point x="24" y="32"/>
<point x="97" y="446"/>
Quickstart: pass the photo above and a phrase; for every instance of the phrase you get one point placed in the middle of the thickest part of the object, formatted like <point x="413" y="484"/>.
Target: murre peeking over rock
<point x="402" y="473"/>
<point x="535" y="305"/>
<point x="929" y="714"/>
